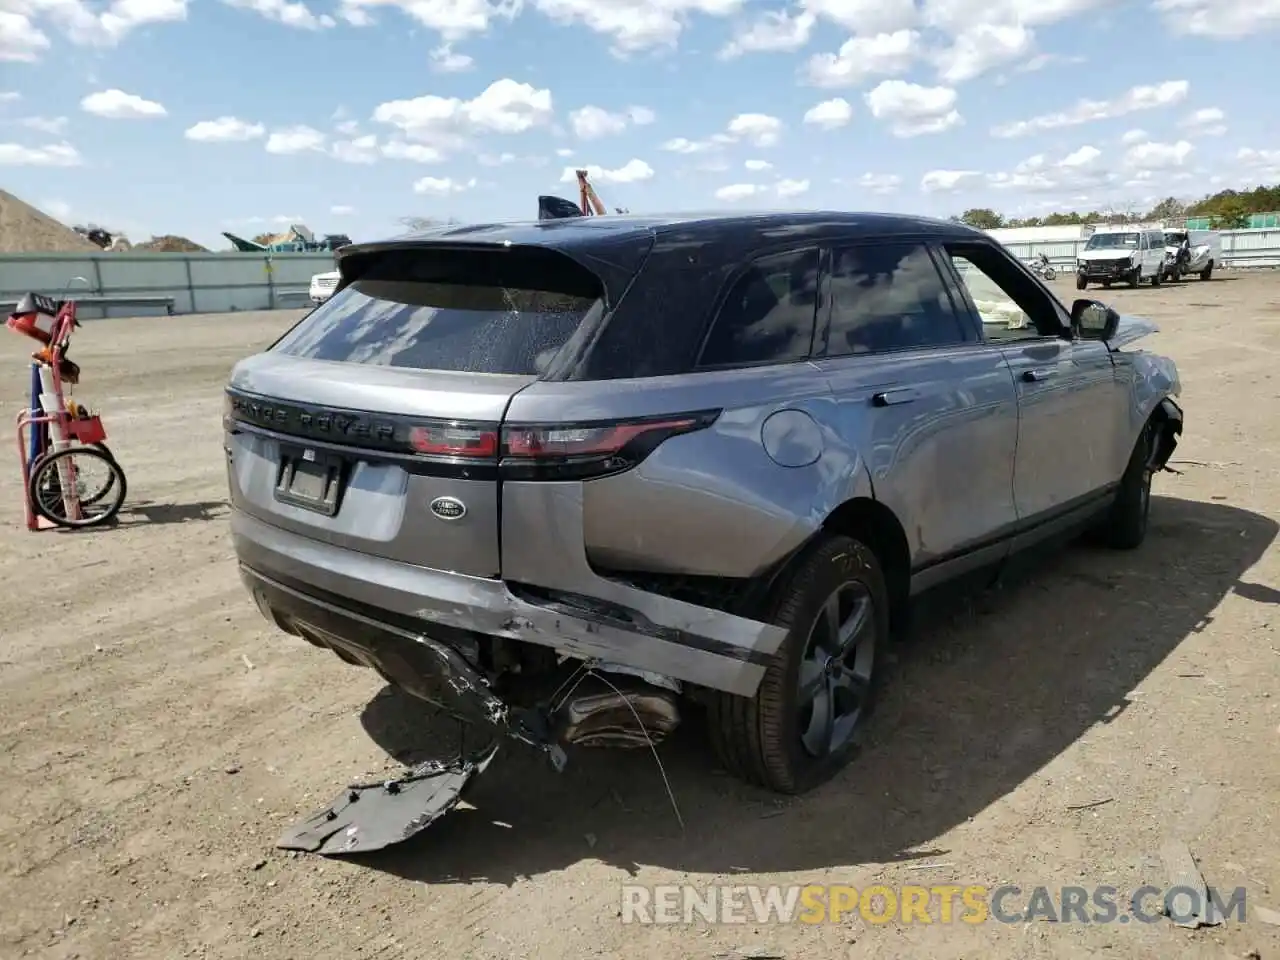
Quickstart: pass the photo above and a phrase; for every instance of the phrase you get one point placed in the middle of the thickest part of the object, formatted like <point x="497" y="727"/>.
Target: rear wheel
<point x="808" y="715"/>
<point x="1207" y="272"/>
<point x="1081" y="283"/>
<point x="1157" y="277"/>
<point x="1135" y="278"/>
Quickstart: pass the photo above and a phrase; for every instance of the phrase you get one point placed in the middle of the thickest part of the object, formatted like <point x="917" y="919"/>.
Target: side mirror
<point x="1092" y="320"/>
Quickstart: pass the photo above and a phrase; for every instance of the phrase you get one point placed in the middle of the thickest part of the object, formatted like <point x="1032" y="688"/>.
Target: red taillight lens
<point x="581" y="451"/>
<point x="455" y="440"/>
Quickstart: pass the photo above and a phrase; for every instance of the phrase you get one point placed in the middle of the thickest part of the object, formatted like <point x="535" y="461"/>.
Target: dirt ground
<point x="158" y="736"/>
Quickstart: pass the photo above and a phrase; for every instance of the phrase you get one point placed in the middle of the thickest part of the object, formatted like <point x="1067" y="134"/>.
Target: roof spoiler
<point x="557" y="208"/>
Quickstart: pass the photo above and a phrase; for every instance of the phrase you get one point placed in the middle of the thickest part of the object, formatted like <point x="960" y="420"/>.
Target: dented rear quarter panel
<point x="714" y="502"/>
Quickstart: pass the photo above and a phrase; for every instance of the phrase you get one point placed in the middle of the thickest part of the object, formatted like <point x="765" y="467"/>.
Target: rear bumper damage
<point x="412" y="626"/>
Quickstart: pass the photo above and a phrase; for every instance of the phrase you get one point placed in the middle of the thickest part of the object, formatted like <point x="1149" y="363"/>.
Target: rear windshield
<point x="470" y="311"/>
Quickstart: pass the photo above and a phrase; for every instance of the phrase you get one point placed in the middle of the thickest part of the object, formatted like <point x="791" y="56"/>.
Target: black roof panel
<point x="575" y="232"/>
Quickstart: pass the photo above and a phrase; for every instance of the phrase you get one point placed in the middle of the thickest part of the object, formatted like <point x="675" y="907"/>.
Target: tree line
<point x="1227" y="210"/>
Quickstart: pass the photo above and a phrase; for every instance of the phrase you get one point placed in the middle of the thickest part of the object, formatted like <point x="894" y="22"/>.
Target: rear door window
<point x="768" y="315"/>
<point x="472" y="311"/>
<point x="888" y="296"/>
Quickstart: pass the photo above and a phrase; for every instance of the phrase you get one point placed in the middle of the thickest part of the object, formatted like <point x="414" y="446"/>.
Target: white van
<point x="1203" y="254"/>
<point x="1121" y="255"/>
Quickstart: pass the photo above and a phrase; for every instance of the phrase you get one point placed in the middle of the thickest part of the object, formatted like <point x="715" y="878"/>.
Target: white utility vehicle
<point x="1191" y="251"/>
<point x="322" y="286"/>
<point x="1127" y="254"/>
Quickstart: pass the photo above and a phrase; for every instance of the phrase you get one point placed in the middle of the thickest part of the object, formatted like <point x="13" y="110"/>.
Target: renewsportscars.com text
<point x="939" y="903"/>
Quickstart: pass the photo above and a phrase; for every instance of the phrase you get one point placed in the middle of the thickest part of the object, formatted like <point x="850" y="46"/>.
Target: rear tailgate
<point x="374" y="423"/>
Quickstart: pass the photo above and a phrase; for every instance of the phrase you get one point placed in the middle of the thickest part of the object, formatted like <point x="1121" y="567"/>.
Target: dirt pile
<point x="24" y="229"/>
<point x="170" y="244"/>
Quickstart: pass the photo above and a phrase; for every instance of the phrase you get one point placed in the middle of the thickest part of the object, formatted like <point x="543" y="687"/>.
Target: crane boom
<point x="590" y="200"/>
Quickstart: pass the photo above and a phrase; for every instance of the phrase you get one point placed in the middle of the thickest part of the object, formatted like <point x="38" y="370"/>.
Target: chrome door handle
<point x="1041" y="373"/>
<point x="886" y="398"/>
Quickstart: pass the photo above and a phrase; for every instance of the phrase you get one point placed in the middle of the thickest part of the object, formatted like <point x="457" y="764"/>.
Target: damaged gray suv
<point x="568" y="479"/>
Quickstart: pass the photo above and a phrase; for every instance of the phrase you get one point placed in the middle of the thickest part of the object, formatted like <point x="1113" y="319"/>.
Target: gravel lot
<point x="158" y="736"/>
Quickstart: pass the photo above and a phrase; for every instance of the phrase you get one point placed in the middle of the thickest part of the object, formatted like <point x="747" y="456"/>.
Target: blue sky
<point x="196" y="116"/>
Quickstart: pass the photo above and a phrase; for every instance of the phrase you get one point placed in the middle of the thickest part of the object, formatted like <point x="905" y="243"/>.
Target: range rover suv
<point x="568" y="478"/>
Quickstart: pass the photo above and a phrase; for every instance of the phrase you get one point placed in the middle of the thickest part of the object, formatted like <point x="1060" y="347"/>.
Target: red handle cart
<point x="69" y="475"/>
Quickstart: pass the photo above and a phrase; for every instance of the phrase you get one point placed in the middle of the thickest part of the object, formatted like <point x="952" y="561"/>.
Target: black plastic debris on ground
<point x="368" y="817"/>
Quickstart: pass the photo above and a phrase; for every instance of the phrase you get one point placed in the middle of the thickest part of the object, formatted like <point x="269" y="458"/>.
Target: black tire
<point x="111" y="477"/>
<point x="1081" y="283"/>
<point x="1158" y="277"/>
<point x="1135" y="278"/>
<point x="1207" y="272"/>
<point x="1106" y="284"/>
<point x="45" y="480"/>
<point x="1050" y="274"/>
<point x="760" y="739"/>
<point x="1125" y="525"/>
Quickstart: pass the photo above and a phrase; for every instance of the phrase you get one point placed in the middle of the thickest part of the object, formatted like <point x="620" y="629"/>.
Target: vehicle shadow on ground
<point x="161" y="513"/>
<point x="989" y="689"/>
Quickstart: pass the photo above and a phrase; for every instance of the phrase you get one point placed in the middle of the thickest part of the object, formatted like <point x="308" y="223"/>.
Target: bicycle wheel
<point x="94" y="497"/>
<point x="95" y="475"/>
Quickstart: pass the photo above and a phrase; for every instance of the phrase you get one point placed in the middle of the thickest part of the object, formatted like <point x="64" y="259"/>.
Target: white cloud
<point x="947" y="181"/>
<point x="1223" y="21"/>
<point x="758" y="129"/>
<point x="447" y="123"/>
<point x="758" y="165"/>
<point x="1134" y="100"/>
<point x="982" y="47"/>
<point x="1263" y="163"/>
<point x="298" y="139"/>
<point x="773" y="31"/>
<point x="829" y="114"/>
<point x="1079" y="170"/>
<point x="341" y="210"/>
<point x="291" y="13"/>
<point x="686" y="146"/>
<point x="1134" y="136"/>
<point x="10" y="96"/>
<point x="442" y="186"/>
<point x="496" y="159"/>
<point x="791" y="188"/>
<point x="880" y="183"/>
<point x="415" y="152"/>
<point x="1206" y="122"/>
<point x="633" y="171"/>
<point x="631" y="25"/>
<point x="912" y="110"/>
<point x="224" y="130"/>
<point x="866" y="17"/>
<point x="50" y="155"/>
<point x="21" y="40"/>
<point x="738" y="191"/>
<point x="118" y="105"/>
<point x="858" y="58"/>
<point x="1158" y="156"/>
<point x="444" y="59"/>
<point x="592" y="123"/>
<point x="51" y="125"/>
<point x="1042" y="60"/>
<point x="564" y="152"/>
<point x="956" y="16"/>
<point x="362" y="150"/>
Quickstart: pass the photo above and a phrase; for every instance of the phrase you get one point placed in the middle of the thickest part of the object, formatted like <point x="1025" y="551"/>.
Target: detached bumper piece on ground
<point x="368" y="817"/>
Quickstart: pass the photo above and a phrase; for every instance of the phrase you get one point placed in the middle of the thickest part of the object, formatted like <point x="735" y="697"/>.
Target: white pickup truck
<point x="1191" y="251"/>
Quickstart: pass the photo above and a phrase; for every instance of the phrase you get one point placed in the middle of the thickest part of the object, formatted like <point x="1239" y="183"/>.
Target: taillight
<point x="455" y="440"/>
<point x="584" y="450"/>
